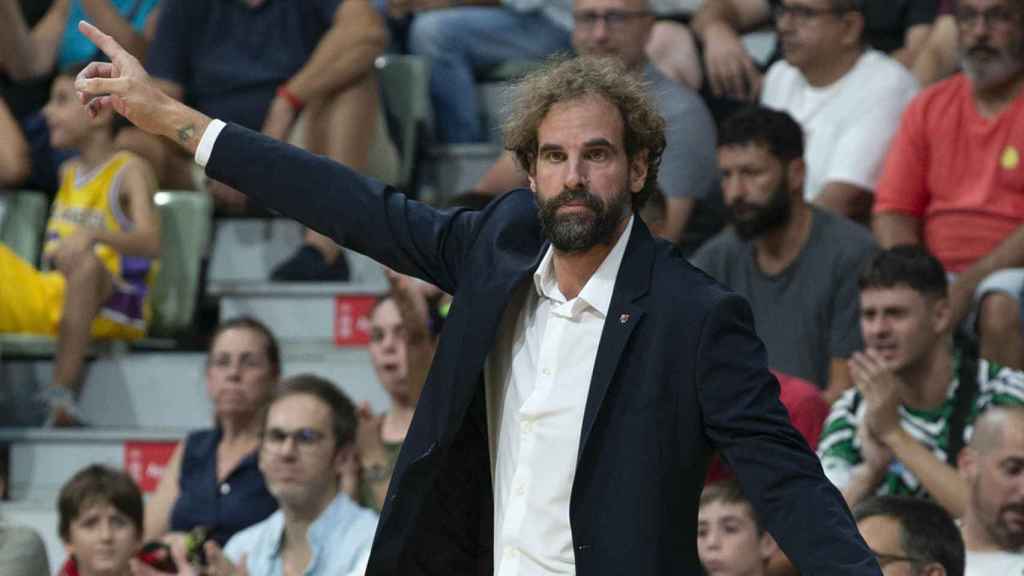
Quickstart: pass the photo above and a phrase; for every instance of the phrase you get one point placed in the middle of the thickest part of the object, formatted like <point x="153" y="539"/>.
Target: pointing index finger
<point x="104" y="42"/>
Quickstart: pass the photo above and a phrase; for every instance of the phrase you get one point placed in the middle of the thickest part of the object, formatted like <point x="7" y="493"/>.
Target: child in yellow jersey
<point x="100" y="251"/>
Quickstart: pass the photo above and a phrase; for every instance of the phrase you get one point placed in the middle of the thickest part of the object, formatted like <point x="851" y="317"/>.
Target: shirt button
<point x="547" y="371"/>
<point x="225" y="489"/>
<point x="521" y="489"/>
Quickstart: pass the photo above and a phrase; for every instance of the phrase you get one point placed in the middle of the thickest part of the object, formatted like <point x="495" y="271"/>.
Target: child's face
<point x="102" y="540"/>
<point x="728" y="543"/>
<point x="67" y="119"/>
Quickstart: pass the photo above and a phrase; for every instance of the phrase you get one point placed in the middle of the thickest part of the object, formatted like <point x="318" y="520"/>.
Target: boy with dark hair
<point x="101" y="243"/>
<point x="730" y="540"/>
<point x="100" y="521"/>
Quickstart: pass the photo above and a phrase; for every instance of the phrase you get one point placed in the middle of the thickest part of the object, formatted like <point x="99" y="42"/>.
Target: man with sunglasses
<point x="848" y="99"/>
<point x="911" y="536"/>
<point x="308" y="439"/>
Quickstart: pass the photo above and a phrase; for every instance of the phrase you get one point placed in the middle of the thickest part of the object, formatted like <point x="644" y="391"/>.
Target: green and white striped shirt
<point x="839" y="447"/>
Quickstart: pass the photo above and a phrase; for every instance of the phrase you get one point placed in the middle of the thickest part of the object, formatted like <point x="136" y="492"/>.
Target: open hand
<point x="880" y="388"/>
<point x="72" y="249"/>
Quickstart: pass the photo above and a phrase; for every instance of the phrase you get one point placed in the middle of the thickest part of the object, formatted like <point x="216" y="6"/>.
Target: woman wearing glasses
<point x="212" y="487"/>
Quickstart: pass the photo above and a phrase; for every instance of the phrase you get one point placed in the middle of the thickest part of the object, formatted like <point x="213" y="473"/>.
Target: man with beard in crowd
<point x="585" y="372"/>
<point x="954" y="175"/>
<point x="796" y="263"/>
<point x="993" y="466"/>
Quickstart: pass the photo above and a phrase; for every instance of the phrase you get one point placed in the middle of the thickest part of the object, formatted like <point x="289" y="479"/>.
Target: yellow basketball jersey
<point x="93" y="199"/>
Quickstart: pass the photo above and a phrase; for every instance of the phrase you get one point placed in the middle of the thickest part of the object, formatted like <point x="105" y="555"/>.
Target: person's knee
<point x="434" y="34"/>
<point x="88" y="273"/>
<point x="998" y="316"/>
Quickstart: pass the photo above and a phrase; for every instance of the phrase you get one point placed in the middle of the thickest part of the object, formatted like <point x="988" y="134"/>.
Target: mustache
<point x="574" y="195"/>
<point x="982" y="50"/>
<point x="1016" y="507"/>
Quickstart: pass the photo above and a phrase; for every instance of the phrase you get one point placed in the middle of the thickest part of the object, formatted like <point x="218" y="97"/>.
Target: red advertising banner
<point x="352" y="319"/>
<point x="146" y="461"/>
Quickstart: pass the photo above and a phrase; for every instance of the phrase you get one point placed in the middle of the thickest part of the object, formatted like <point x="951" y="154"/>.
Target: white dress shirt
<point x="537" y="380"/>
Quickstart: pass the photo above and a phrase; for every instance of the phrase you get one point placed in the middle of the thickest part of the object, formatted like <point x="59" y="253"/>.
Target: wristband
<point x="294" y="101"/>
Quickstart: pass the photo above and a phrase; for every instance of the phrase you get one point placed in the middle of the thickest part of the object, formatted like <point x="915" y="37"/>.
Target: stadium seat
<point x="185" y="228"/>
<point x="23" y="223"/>
<point x="405" y="89"/>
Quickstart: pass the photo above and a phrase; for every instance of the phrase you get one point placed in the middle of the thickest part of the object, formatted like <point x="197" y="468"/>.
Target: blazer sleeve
<point x="780" y="475"/>
<point x="355" y="211"/>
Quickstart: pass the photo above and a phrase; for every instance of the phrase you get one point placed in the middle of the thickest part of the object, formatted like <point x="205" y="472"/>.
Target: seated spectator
<point x="102" y="239"/>
<point x="322" y="66"/>
<point x="100" y="522"/>
<point x="848" y="99"/>
<point x="22" y="551"/>
<point x="916" y="399"/>
<point x="401" y="350"/>
<point x="993" y="466"/>
<point x="462" y="41"/>
<point x="911" y="536"/>
<point x="953" y="178"/>
<point x="213" y="479"/>
<point x="308" y="439"/>
<point x="898" y="28"/>
<point x="730" y="540"/>
<point x="621" y="29"/>
<point x="796" y="263"/>
<point x="31" y="55"/>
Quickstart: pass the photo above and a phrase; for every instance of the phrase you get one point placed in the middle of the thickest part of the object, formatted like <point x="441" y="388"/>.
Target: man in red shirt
<point x="954" y="178"/>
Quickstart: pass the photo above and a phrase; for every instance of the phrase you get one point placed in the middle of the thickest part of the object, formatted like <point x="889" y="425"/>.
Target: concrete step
<point x="41" y="461"/>
<point x="167" y="390"/>
<point x="247" y="249"/>
<point x="304" y="313"/>
<point x="454" y="169"/>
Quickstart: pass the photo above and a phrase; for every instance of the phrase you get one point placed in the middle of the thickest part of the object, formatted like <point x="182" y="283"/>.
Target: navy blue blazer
<point x="680" y="372"/>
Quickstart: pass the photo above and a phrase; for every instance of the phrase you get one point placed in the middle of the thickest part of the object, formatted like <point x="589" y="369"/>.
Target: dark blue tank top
<point x="223" y="508"/>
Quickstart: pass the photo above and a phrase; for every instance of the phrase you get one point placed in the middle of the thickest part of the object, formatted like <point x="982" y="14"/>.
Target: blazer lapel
<point x="624" y="314"/>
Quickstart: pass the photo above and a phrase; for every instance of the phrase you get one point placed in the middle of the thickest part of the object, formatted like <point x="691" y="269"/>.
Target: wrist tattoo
<point x="186" y="133"/>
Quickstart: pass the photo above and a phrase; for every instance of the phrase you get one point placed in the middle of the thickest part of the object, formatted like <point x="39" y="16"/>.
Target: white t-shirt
<point x="847" y="124"/>
<point x="994" y="563"/>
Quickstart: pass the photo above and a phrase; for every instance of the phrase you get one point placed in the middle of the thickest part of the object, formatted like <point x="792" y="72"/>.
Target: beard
<point x="752" y="220"/>
<point x="580" y="231"/>
<point x="990" y="67"/>
<point x="994" y="520"/>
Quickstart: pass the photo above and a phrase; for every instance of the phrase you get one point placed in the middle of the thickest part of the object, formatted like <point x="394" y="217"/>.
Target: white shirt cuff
<point x="206" y="143"/>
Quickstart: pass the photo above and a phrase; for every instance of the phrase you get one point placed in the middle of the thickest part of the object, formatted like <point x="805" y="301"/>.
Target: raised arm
<point x="334" y="200"/>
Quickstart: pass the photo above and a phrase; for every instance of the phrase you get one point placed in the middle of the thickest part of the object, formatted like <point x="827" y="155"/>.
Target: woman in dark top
<point x="212" y="481"/>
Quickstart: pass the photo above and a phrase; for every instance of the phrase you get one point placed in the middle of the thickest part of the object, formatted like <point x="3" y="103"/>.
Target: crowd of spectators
<point x="868" y="173"/>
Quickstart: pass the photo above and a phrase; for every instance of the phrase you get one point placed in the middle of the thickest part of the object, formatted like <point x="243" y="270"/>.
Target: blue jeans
<point x="460" y="42"/>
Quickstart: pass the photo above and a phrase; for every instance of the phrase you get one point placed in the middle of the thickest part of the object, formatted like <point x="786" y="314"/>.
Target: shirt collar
<point x="320" y="529"/>
<point x="597" y="293"/>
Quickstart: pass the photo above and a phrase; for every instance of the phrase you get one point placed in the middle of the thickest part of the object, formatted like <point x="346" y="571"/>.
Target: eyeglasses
<point x="800" y="14"/>
<point x="886" y="559"/>
<point x="304" y="438"/>
<point x="997" y="17"/>
<point x="613" y="19"/>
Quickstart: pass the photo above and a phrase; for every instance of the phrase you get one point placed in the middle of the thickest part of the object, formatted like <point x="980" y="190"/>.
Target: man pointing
<point x="585" y="372"/>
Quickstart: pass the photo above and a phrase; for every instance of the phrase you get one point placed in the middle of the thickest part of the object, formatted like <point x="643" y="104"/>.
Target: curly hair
<point x="564" y="79"/>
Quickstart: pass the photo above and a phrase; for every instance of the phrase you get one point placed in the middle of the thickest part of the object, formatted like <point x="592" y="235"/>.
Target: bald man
<point x="993" y="467"/>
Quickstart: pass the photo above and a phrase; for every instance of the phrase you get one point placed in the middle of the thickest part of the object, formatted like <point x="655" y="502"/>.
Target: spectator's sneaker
<point x="308" y="265"/>
<point x="62" y="410"/>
